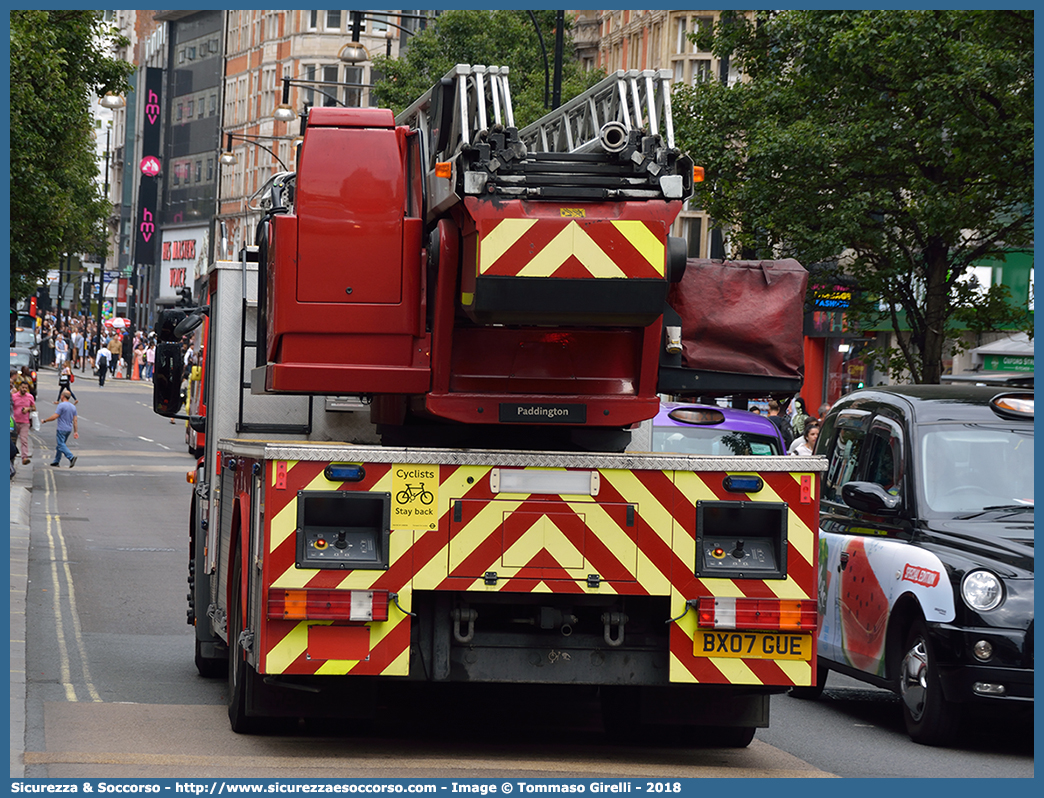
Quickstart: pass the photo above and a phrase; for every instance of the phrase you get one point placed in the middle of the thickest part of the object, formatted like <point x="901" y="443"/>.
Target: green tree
<point x="900" y="142"/>
<point x="57" y="62"/>
<point x="500" y="38"/>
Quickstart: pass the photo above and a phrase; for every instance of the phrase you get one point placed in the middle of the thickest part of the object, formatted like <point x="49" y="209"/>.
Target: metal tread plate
<point x="343" y="452"/>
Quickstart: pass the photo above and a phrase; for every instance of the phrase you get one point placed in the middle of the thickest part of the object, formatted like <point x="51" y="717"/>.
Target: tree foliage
<point x="501" y="38"/>
<point x="900" y="141"/>
<point x="56" y="204"/>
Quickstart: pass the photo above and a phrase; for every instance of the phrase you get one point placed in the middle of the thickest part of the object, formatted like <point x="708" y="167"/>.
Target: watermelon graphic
<point x="824" y="577"/>
<point x="864" y="611"/>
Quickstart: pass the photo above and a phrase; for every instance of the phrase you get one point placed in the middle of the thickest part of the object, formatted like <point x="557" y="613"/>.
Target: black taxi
<point x="925" y="550"/>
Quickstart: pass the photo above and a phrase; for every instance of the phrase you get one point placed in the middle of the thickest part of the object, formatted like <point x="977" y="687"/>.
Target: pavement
<point x="21" y="495"/>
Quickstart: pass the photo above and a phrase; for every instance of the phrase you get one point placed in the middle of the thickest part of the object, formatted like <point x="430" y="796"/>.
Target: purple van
<point x="708" y="430"/>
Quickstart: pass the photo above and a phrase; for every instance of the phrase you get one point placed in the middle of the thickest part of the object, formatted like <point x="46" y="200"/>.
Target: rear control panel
<point x="342" y="529"/>
<point x="740" y="540"/>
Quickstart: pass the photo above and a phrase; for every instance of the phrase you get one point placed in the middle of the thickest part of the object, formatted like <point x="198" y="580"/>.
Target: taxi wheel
<point x="930" y="718"/>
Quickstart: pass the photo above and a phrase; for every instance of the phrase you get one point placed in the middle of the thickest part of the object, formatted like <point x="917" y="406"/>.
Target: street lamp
<point x="105" y="246"/>
<point x="112" y="101"/>
<point x="285" y="113"/>
<point x="354" y="52"/>
<point x="228" y="158"/>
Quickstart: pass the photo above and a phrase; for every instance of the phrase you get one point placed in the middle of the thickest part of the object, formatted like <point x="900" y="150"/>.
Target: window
<point x="268" y="91"/>
<point x="701" y="70"/>
<point x="210" y="169"/>
<point x="701" y="25"/>
<point x="179" y="112"/>
<point x="241" y="95"/>
<point x="353" y="95"/>
<point x="333" y="20"/>
<point x="884" y="456"/>
<point x="313" y="20"/>
<point x="681" y="40"/>
<point x="199" y="171"/>
<point x="844" y="452"/>
<point x="694" y="234"/>
<point x="191" y="53"/>
<point x="201" y="106"/>
<point x="190" y="108"/>
<point x="212" y="106"/>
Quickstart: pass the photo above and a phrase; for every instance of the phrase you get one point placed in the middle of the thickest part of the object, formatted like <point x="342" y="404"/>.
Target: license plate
<point x="752" y="645"/>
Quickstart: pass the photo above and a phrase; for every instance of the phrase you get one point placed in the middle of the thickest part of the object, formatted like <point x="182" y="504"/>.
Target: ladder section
<point x="626" y="100"/>
<point x="456" y="111"/>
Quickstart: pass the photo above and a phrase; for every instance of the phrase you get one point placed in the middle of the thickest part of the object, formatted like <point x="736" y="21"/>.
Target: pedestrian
<point x="65" y="415"/>
<point x="116" y="349"/>
<point x="798" y="416"/>
<point x="101" y="360"/>
<point x="77" y="347"/>
<point x="150" y="359"/>
<point x="139" y="359"/>
<point x="14" y="447"/>
<point x="806" y="444"/>
<point x="61" y="350"/>
<point x="781" y="421"/>
<point x="65" y="380"/>
<point x="22" y="407"/>
<point x="823" y="410"/>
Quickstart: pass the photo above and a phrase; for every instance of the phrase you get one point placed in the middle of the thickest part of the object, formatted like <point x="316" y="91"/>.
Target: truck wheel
<point x="621" y="712"/>
<point x="728" y="736"/>
<point x="930" y="718"/>
<point x="814" y="691"/>
<point x="239" y="670"/>
<point x="209" y="667"/>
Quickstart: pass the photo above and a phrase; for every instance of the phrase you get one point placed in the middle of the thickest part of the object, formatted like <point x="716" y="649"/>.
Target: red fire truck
<point x="419" y="390"/>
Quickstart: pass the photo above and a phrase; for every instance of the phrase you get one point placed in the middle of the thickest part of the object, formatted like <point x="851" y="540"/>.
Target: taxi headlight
<point x="982" y="590"/>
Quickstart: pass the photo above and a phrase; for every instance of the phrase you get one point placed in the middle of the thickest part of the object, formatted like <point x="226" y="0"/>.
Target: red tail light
<point x="757" y="613"/>
<point x="328" y="605"/>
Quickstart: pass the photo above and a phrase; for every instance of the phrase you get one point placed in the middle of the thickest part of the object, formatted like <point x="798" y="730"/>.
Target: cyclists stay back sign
<point x="415" y="493"/>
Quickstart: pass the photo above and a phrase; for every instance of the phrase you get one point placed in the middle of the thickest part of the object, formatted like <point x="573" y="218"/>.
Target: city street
<point x="111" y="689"/>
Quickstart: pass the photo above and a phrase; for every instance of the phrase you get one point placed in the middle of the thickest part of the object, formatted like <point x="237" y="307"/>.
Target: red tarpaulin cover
<point x="742" y="316"/>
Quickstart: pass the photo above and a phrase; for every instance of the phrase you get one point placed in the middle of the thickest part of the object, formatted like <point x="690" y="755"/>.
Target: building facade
<point x="308" y="49"/>
<point x="658" y="39"/>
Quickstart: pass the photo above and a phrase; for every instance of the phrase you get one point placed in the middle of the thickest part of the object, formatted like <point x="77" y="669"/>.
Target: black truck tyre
<point x="812" y="692"/>
<point x="241" y="676"/>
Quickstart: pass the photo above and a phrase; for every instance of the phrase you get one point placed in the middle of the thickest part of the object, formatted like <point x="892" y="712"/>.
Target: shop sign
<point x="1020" y="363"/>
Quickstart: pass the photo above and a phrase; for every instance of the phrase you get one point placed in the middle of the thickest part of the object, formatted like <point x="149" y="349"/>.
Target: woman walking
<point x="22" y="406"/>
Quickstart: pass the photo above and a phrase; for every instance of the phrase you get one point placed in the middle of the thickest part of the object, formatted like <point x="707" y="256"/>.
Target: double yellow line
<point x="61" y="576"/>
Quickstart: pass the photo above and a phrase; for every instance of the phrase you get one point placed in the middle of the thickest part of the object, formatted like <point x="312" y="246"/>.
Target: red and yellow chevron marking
<point x="800" y="584"/>
<point x="285" y="644"/>
<point x="564" y="248"/>
<point x="637" y="535"/>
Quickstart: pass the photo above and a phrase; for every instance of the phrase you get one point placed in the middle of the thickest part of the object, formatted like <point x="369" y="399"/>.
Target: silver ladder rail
<point x="480" y="98"/>
<point x="636" y="99"/>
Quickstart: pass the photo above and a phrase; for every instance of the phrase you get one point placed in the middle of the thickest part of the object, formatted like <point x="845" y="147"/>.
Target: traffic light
<point x="185" y="297"/>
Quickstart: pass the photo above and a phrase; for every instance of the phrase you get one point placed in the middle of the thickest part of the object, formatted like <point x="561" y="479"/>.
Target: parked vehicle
<point x="926" y="550"/>
<point x="26" y="337"/>
<point x="708" y="429"/>
<point x="23" y="356"/>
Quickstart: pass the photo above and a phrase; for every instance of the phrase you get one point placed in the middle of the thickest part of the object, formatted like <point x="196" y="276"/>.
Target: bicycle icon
<point x="412" y="492"/>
